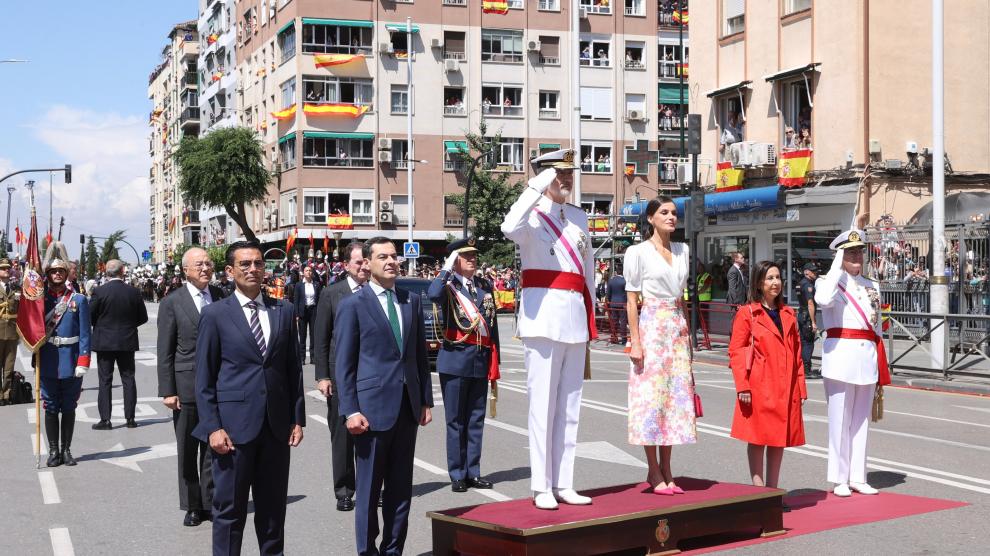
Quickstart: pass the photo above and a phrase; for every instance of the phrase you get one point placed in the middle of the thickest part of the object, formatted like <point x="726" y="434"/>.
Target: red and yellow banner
<point x="728" y="178"/>
<point x="630" y="169"/>
<point x="885" y="311"/>
<point x="681" y="17"/>
<point x="682" y="69"/>
<point x="793" y="168"/>
<point x="500" y="7"/>
<point x="598" y="224"/>
<point x="285" y="114"/>
<point x="31" y="311"/>
<point x="217" y="76"/>
<point x="212" y="38"/>
<point x="327" y="60"/>
<point x="340" y="222"/>
<point x="290" y="241"/>
<point x="335" y="109"/>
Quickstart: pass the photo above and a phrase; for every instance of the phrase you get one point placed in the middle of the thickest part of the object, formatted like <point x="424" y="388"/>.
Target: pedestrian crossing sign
<point x="410" y="249"/>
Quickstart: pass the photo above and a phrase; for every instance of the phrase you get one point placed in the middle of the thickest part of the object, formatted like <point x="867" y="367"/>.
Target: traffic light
<point x="696" y="212"/>
<point x="694" y="134"/>
<point x="68" y="173"/>
<point x="82" y="238"/>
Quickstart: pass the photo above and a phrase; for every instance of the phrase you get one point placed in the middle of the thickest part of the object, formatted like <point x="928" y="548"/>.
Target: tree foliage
<point x="492" y="194"/>
<point x="109" y="250"/>
<point x="92" y="257"/>
<point x="224" y="169"/>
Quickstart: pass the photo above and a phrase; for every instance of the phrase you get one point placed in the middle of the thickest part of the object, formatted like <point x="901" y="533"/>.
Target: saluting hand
<point x="220" y="442"/>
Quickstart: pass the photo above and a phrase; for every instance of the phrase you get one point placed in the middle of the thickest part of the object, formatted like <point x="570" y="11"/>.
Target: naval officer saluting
<point x="854" y="362"/>
<point x="556" y="321"/>
<point x="467" y="361"/>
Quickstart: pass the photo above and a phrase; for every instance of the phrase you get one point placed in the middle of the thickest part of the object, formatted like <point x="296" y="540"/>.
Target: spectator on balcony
<point x="804" y="141"/>
<point x="790" y="141"/>
<point x="586" y="53"/>
<point x="804" y="118"/>
<point x="602" y="57"/>
<point x="486" y="105"/>
<point x="732" y="131"/>
<point x="670" y="170"/>
<point x="587" y="164"/>
<point x="311" y="95"/>
<point x="507" y="102"/>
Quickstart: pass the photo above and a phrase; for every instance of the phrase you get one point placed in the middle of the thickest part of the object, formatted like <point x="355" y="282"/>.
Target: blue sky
<point x="82" y="99"/>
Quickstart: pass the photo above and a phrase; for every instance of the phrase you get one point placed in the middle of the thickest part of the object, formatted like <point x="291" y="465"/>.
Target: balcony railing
<point x="668" y="168"/>
<point x="325" y="161"/>
<point x="549" y="113"/>
<point x="321" y="48"/>
<point x="189" y="114"/>
<point x="635" y="64"/>
<point x="400" y="164"/>
<point x="597" y="8"/>
<point x="453" y="165"/>
<point x="549" y="5"/>
<point x="455" y="2"/>
<point x="453" y="221"/>
<point x="669" y="69"/>
<point x="635" y="10"/>
<point x="191" y="78"/>
<point x="671" y="123"/>
<point x="596" y="167"/>
<point x="596" y="62"/>
<point x="452" y="55"/>
<point x="497" y="110"/>
<point x="504" y="58"/>
<point x="460" y="110"/>
<point x="550" y="60"/>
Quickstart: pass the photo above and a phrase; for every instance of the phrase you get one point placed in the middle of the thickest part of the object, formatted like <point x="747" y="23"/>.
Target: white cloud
<point x="109" y="189"/>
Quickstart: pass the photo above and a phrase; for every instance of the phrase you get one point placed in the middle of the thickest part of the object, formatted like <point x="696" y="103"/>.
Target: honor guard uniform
<point x="9" y="296"/>
<point x="64" y="359"/>
<point x="468" y="360"/>
<point x="555" y="321"/>
<point x="854" y="362"/>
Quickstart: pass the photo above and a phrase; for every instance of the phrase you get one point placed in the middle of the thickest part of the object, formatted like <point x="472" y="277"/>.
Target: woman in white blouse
<point x="661" y="384"/>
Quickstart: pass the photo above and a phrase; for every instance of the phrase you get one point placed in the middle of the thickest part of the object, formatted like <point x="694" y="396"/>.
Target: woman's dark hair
<point x="756" y="283"/>
<point x="651" y="208"/>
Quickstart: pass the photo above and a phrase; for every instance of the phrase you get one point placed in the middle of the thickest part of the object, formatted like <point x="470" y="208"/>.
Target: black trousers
<point x="307" y="321"/>
<point x="341" y="451"/>
<point x="195" y="461"/>
<point x="124" y="360"/>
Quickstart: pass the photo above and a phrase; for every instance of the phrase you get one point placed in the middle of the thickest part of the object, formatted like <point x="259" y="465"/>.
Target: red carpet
<point x="821" y="511"/>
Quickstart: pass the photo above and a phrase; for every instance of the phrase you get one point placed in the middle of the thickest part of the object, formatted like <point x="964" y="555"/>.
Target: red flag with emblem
<point x="31" y="310"/>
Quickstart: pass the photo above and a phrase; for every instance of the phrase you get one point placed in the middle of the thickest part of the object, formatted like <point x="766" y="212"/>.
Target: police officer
<point x="806" y="317"/>
<point x="64" y="359"/>
<point x="467" y="361"/>
<point x="9" y="297"/>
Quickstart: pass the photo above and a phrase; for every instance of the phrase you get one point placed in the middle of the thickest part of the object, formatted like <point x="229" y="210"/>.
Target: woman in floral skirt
<point x="661" y="383"/>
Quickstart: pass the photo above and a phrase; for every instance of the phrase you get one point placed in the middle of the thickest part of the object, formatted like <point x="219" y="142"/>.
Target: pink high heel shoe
<point x="677" y="490"/>
<point x="666" y="491"/>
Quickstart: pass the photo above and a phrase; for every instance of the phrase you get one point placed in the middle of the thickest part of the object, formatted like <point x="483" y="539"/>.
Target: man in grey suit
<point x="178" y="328"/>
<point x="341" y="442"/>
<point x="738" y="281"/>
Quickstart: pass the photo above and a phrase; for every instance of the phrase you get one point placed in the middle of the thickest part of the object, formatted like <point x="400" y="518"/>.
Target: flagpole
<point x="37" y="410"/>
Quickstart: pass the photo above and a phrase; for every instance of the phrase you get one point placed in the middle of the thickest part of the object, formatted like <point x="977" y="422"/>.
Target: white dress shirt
<point x="310" y="290"/>
<point x="352" y="283"/>
<point x="201" y="298"/>
<point x="382" y="300"/>
<point x="266" y="327"/>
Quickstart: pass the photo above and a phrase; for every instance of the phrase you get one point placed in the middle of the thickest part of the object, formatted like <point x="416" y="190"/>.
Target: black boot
<point x="51" y="429"/>
<point x="68" y="425"/>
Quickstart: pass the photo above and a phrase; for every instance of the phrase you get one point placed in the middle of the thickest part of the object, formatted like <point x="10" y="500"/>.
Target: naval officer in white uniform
<point x="854" y="363"/>
<point x="556" y="321"/>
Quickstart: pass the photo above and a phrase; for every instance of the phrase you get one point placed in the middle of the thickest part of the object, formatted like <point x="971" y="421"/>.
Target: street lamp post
<point x="6" y="229"/>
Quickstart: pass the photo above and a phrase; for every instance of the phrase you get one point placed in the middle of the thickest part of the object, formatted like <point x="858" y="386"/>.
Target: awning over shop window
<point x="670" y="93"/>
<point x="731" y="89"/>
<point x="286" y="26"/>
<point x="285" y="138"/>
<point x="338" y="22"/>
<point x="400" y="27"/>
<point x="337" y="135"/>
<point x="743" y="200"/>
<point x="454" y="147"/>
<point x="793" y="72"/>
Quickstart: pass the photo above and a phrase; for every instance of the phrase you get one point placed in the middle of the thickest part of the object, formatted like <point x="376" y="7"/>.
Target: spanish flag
<point x="500" y="7"/>
<point x="212" y="38"/>
<point x="793" y="168"/>
<point x="327" y="60"/>
<point x="682" y="69"/>
<point x="885" y="311"/>
<point x="681" y="17"/>
<point x="217" y="76"/>
<point x="728" y="178"/>
<point x="335" y="109"/>
<point x="285" y="114"/>
<point x="290" y="241"/>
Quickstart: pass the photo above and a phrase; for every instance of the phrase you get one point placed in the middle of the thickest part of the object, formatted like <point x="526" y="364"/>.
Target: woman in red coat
<point x="770" y="385"/>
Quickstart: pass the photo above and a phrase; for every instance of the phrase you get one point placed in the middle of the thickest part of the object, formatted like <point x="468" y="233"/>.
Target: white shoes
<point x="842" y="491"/>
<point x="544" y="501"/>
<point x="863" y="488"/>
<point x="570" y="496"/>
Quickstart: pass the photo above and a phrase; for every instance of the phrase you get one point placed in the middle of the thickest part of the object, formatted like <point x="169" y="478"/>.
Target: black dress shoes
<point x="479" y="482"/>
<point x="192" y="518"/>
<point x="102" y="426"/>
<point x="459" y="486"/>
<point x="345" y="504"/>
<point x="131" y="424"/>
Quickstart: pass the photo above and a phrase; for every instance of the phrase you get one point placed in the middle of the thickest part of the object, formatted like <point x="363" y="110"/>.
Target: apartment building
<point x="325" y="85"/>
<point x="172" y="90"/>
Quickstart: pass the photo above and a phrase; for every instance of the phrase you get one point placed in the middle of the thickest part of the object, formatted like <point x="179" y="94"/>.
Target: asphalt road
<point x="122" y="498"/>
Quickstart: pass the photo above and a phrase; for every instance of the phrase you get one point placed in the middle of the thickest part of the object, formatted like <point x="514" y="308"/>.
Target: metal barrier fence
<point x="967" y="341"/>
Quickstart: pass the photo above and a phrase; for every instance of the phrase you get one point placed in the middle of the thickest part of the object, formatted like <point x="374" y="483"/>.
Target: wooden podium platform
<point x="625" y="518"/>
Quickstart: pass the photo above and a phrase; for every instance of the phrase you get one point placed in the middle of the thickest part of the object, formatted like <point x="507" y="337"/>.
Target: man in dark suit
<point x="383" y="381"/>
<point x="738" y="280"/>
<point x="178" y="328"/>
<point x="249" y="394"/>
<point x="116" y="311"/>
<point x="615" y="295"/>
<point x="306" y="294"/>
<point x="341" y="442"/>
<point x="467" y="361"/>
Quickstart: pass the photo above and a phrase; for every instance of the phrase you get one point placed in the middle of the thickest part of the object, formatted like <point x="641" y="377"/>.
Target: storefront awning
<point x="285" y="138"/>
<point x="793" y="72"/>
<point x="286" y="26"/>
<point x="731" y="89"/>
<point x="400" y="27"/>
<point x="743" y="200"/>
<point x="337" y="135"/>
<point x="670" y="93"/>
<point x="842" y="194"/>
<point x="454" y="147"/>
<point x="338" y="22"/>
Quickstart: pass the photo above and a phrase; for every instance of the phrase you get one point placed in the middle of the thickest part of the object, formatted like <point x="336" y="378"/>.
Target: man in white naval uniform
<point x="854" y="363"/>
<point x="556" y="321"/>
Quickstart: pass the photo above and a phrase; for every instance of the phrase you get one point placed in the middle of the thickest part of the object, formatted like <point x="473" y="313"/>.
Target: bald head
<point x="115" y="268"/>
<point x="197" y="267"/>
<point x="192" y="254"/>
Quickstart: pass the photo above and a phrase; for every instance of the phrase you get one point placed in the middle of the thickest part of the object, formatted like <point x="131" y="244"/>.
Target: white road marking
<point x="49" y="490"/>
<point x="984" y="409"/>
<point x="32" y="415"/>
<point x="316" y="395"/>
<point x="44" y="445"/>
<point x="319" y="419"/>
<point x="130" y="461"/>
<point x="61" y="542"/>
<point x="874" y="429"/>
<point x="506" y="426"/>
<point x="117" y="409"/>
<point x="489" y="493"/>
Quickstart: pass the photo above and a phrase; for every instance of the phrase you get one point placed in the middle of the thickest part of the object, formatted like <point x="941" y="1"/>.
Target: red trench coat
<point x="776" y="381"/>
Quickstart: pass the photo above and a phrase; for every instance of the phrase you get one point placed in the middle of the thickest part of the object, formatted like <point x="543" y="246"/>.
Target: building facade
<point x="172" y="90"/>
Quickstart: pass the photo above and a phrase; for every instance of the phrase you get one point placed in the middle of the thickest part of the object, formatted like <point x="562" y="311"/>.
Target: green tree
<point x="224" y="169"/>
<point x="109" y="250"/>
<point x="492" y="193"/>
<point x="219" y="257"/>
<point x="92" y="257"/>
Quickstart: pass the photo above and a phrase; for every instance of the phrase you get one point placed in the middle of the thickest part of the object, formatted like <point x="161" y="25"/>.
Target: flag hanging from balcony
<point x="500" y="7"/>
<point x="728" y="178"/>
<point x="630" y="169"/>
<point x="340" y="222"/>
<point x="681" y="16"/>
<point x="793" y="168"/>
<point x="217" y="76"/>
<point x="31" y="311"/>
<point x="290" y="241"/>
<point x="682" y="69"/>
<point x="212" y="38"/>
<point x="335" y="109"/>
<point x="326" y="244"/>
<point x="285" y="114"/>
<point x="327" y="60"/>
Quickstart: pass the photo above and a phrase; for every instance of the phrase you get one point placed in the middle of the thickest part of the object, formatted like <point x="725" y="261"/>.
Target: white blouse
<point x="647" y="271"/>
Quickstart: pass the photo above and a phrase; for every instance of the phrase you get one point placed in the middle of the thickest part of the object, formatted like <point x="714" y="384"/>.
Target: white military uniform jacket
<point x="557" y="315"/>
<point x="849" y="360"/>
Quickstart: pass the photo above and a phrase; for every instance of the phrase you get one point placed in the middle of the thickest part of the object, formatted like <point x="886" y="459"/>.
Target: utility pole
<point x="939" y="291"/>
<point x="680" y="73"/>
<point x="411" y="160"/>
<point x="576" y="92"/>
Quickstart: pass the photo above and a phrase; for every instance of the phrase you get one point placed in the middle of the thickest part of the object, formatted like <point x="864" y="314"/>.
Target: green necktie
<point x="393" y="318"/>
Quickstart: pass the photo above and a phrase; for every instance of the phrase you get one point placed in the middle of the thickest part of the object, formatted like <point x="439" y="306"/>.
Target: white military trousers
<point x="849" y="410"/>
<point x="555" y="377"/>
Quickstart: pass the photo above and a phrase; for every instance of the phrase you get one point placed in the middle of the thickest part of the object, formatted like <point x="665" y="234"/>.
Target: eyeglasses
<point x="202" y="264"/>
<point x="246" y="265"/>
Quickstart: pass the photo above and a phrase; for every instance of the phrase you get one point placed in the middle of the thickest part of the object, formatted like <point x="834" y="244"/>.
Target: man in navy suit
<point x="249" y="395"/>
<point x="384" y="390"/>
<point x="305" y="296"/>
<point x="468" y="360"/>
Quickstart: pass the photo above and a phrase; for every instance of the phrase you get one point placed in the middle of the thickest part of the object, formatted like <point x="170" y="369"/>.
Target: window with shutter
<point x="733" y="16"/>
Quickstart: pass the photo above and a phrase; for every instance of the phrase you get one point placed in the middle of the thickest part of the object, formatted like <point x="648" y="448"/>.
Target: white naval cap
<point x="561" y="160"/>
<point x="848" y="239"/>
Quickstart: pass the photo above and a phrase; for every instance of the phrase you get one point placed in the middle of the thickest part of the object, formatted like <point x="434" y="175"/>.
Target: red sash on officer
<point x="474" y="338"/>
<point x="883" y="369"/>
<point x="557" y="280"/>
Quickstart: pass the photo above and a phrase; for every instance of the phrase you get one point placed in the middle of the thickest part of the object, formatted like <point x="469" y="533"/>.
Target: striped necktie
<point x="259" y="335"/>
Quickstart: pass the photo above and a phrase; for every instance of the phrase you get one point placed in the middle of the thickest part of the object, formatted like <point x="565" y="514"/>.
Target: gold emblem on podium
<point x="663" y="531"/>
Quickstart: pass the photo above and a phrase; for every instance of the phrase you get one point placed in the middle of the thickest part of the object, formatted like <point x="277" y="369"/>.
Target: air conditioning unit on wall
<point x="385" y="48"/>
<point x="762" y="154"/>
<point x="385" y="206"/>
<point x="384" y="144"/>
<point x="385" y="217"/>
<point x="436" y="43"/>
<point x="533" y="46"/>
<point x="451" y="66"/>
<point x="739" y="154"/>
<point x="384" y="156"/>
<point x="635" y="116"/>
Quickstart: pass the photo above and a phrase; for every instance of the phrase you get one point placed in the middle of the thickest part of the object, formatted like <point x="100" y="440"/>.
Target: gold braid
<point x="468" y="329"/>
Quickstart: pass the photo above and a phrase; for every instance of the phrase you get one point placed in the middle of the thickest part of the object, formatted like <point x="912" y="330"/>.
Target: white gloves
<point x="543" y="180"/>
<point x="80" y="371"/>
<point x="448" y="265"/>
<point x="836" y="268"/>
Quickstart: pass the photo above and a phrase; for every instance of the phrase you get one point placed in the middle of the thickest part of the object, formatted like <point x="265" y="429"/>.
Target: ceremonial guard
<point x="556" y="321"/>
<point x="468" y="360"/>
<point x="9" y="296"/>
<point x="854" y="362"/>
<point x="64" y="356"/>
